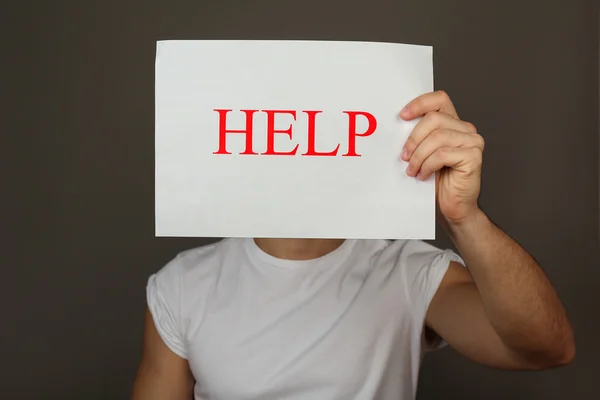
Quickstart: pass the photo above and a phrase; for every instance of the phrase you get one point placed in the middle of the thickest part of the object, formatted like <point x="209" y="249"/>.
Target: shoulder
<point x="205" y="257"/>
<point x="407" y="251"/>
<point x="181" y="286"/>
<point x="192" y="266"/>
<point x="413" y="258"/>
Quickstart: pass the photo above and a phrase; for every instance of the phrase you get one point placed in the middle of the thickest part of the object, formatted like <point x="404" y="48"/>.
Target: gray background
<point x="77" y="168"/>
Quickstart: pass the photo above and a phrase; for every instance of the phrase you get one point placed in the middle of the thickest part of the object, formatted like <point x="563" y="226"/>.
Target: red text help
<point x="270" y="133"/>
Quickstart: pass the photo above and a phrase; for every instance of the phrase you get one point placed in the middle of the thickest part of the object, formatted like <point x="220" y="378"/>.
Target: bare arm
<point x="162" y="375"/>
<point x="502" y="312"/>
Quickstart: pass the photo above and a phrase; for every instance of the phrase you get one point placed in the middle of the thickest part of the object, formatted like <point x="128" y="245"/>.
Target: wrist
<point x="471" y="226"/>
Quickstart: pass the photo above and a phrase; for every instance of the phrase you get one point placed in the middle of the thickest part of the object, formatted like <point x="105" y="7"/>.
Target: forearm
<point x="518" y="298"/>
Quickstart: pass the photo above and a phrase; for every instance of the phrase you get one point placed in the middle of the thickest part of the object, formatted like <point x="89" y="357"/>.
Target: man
<point x="333" y="319"/>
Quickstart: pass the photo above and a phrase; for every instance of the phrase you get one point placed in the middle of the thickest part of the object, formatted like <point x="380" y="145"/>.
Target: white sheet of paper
<point x="363" y="193"/>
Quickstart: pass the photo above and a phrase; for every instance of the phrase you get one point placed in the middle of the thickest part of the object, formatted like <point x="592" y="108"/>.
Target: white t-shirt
<point x="348" y="325"/>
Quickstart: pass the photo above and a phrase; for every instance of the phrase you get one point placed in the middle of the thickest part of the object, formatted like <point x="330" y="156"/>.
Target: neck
<point x="298" y="249"/>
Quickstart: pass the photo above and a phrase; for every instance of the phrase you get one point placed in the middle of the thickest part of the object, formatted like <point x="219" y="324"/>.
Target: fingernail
<point x="405" y="111"/>
<point x="409" y="171"/>
<point x="404" y="154"/>
<point x="420" y="176"/>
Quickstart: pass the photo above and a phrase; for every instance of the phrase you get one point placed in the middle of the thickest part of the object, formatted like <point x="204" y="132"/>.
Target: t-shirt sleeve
<point x="425" y="267"/>
<point x="163" y="294"/>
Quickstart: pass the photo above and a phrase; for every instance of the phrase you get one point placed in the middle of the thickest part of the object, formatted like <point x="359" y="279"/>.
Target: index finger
<point x="433" y="101"/>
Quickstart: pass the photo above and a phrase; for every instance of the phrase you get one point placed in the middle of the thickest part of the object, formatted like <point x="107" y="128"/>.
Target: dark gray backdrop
<point x="77" y="168"/>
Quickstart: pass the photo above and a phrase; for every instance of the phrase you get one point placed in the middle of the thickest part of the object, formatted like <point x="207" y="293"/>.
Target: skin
<point x="501" y="311"/>
<point x="162" y="374"/>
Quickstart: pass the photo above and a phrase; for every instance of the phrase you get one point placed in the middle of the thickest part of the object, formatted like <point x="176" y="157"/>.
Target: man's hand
<point x="442" y="143"/>
<point x="502" y="310"/>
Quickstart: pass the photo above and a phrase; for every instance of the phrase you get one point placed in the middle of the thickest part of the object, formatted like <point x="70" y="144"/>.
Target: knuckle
<point x="455" y="137"/>
<point x="428" y="118"/>
<point x="443" y="95"/>
<point x="477" y="155"/>
<point x="480" y="141"/>
<point x="438" y="135"/>
<point x="443" y="152"/>
<point x="433" y="118"/>
<point x="470" y="127"/>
